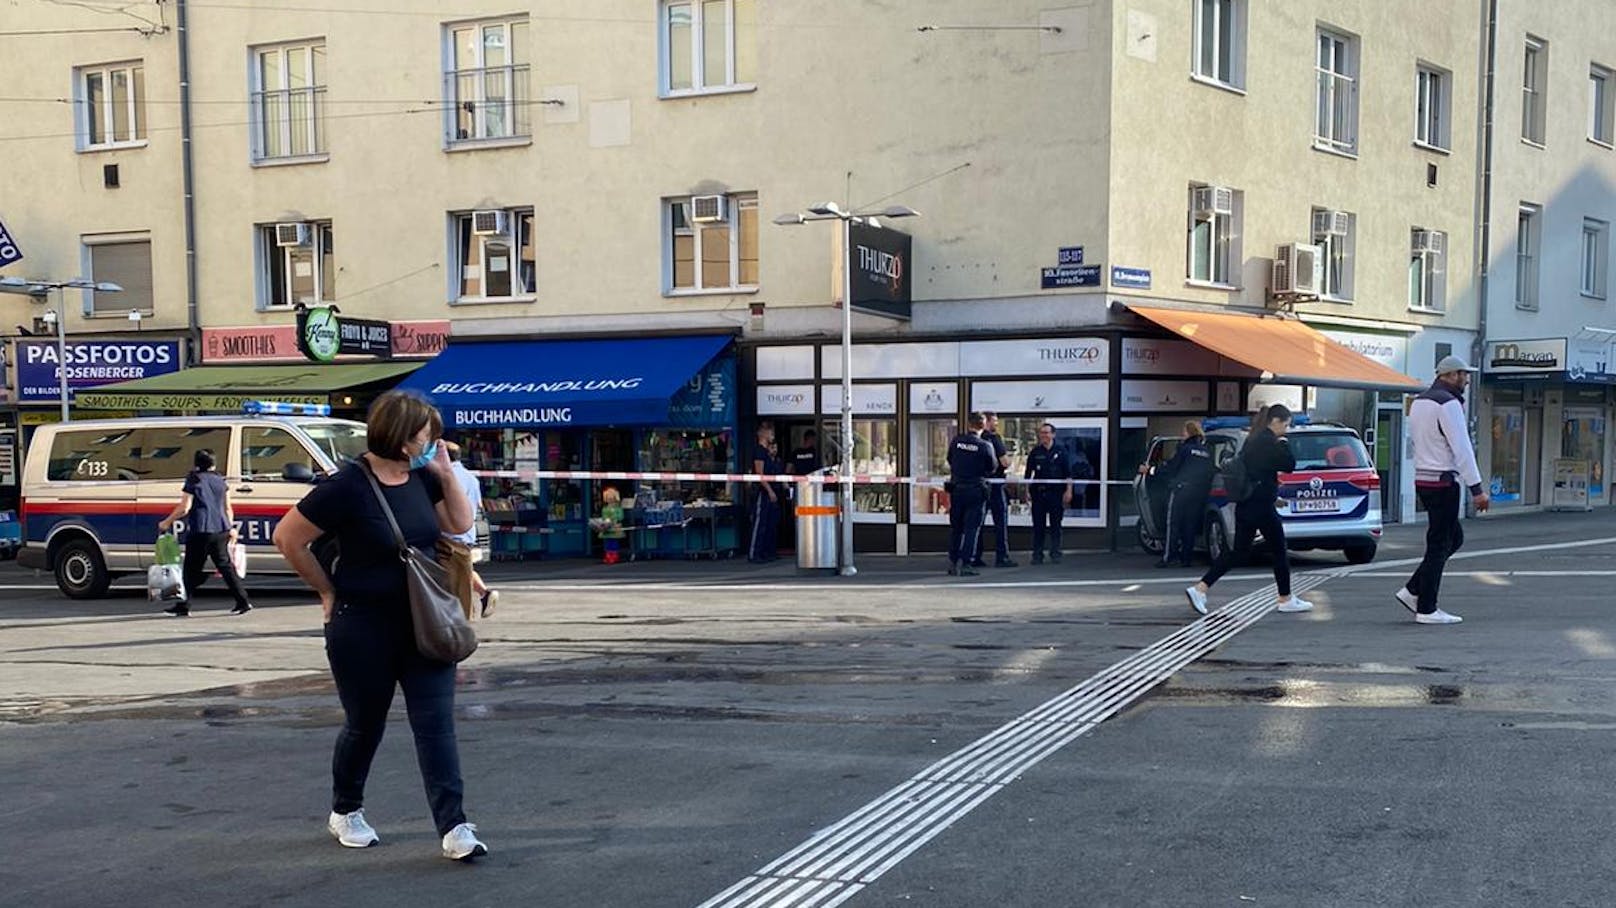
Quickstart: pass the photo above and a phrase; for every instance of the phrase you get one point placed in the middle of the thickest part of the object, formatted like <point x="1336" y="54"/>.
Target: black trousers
<point x="1186" y="513"/>
<point x="965" y="509"/>
<point x="998" y="507"/>
<point x="372" y="651"/>
<point x="1047" y="512"/>
<point x="1443" y="537"/>
<point x="199" y="547"/>
<point x="765" y="540"/>
<point x="1249" y="518"/>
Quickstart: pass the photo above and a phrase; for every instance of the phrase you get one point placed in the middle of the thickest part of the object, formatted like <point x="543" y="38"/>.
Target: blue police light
<point x="277" y="408"/>
<point x="1244" y="422"/>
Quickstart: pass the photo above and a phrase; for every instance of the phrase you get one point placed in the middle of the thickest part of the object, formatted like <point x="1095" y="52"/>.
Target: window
<point x="494" y="254"/>
<point x="1337" y="70"/>
<point x="297" y="264"/>
<point x="1427" y="270"/>
<point x="124" y="260"/>
<point x="708" y="45"/>
<point x="112" y="104"/>
<point x="288" y="101"/>
<point x="1220" y="42"/>
<point x="875" y="450"/>
<point x="168" y="454"/>
<point x="929" y="441"/>
<point x="486" y="82"/>
<point x="1601" y="105"/>
<point x="1534" y="87"/>
<point x="1528" y="239"/>
<point x="1336" y="233"/>
<point x="1214" y="235"/>
<point x="712" y="249"/>
<point x="1595" y="257"/>
<point x="94" y="456"/>
<point x="1433" y="94"/>
<point x="266" y="451"/>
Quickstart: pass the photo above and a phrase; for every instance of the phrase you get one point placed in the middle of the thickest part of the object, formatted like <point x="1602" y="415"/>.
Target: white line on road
<point x="1449" y="575"/>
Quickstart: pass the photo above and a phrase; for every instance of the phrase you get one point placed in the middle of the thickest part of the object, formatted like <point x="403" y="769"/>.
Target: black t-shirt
<point x="208" y="493"/>
<point x="999" y="450"/>
<point x="369" y="571"/>
<point x="771" y="464"/>
<point x="805" y="460"/>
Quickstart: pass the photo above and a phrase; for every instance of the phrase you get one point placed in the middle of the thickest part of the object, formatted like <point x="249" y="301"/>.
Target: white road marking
<point x="1448" y="575"/>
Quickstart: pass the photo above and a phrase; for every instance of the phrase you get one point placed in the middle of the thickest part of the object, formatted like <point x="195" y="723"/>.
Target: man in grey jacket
<point x="1443" y="459"/>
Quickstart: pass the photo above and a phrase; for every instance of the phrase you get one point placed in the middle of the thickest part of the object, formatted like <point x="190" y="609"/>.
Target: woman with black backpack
<point x="1264" y="456"/>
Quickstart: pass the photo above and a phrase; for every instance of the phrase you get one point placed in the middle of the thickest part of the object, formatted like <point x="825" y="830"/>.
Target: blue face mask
<point x="427" y="455"/>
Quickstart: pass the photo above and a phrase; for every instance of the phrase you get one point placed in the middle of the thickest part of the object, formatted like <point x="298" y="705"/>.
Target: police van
<point x="93" y="491"/>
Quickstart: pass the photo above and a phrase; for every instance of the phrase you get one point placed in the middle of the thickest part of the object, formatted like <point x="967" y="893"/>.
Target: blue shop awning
<point x="608" y="382"/>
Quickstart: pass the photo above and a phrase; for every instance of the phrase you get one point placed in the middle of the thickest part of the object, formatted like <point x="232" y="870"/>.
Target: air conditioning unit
<point x="709" y="209"/>
<point x="294" y="234"/>
<point x="1210" y="200"/>
<point x="489" y="223"/>
<point x="1298" y="269"/>
<point x="1428" y="241"/>
<point x="1331" y="223"/>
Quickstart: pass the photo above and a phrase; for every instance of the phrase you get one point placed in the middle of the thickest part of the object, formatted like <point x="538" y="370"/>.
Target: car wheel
<point x="1148" y="542"/>
<point x="81" y="572"/>
<point x="1217" y="538"/>
<point x="1359" y="554"/>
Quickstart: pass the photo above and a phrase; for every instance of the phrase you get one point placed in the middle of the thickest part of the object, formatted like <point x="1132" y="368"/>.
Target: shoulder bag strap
<point x="398" y="535"/>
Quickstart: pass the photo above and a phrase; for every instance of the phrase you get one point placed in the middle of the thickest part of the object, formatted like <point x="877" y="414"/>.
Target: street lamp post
<point x="826" y="212"/>
<point x="40" y="290"/>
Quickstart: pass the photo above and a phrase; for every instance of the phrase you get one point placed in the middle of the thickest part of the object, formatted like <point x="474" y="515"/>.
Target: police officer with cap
<point x="1052" y="496"/>
<point x="971" y="461"/>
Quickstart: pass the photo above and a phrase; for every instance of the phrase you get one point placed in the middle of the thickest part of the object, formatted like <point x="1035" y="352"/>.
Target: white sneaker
<point x="1437" y="617"/>
<point x="461" y="843"/>
<point x="490" y="602"/>
<point x="1296" y="604"/>
<point x="352" y="830"/>
<point x="1408" y="599"/>
<point x="1197" y="599"/>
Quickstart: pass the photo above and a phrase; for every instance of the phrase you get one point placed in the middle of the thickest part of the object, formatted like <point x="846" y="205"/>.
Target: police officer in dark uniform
<point x="1050" y="498"/>
<point x="764" y="544"/>
<point x="998" y="497"/>
<point x="1190" y="472"/>
<point x="970" y="462"/>
<point x="805" y="460"/>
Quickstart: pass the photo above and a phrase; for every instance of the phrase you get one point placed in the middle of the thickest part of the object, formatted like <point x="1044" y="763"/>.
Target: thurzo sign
<point x="878" y="261"/>
<point x="1526" y="356"/>
<point x="89" y="364"/>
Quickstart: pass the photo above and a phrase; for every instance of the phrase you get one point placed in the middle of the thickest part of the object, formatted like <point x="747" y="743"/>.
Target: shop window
<point x="687" y="451"/>
<point x="1582" y="437"/>
<point x="1083" y="440"/>
<point x="929" y="441"/>
<point x="495" y="256"/>
<point x="266" y="451"/>
<point x="1508" y="450"/>
<point x="875" y="450"/>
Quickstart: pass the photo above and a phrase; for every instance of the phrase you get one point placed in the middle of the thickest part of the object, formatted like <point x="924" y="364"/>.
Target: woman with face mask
<point x="369" y="638"/>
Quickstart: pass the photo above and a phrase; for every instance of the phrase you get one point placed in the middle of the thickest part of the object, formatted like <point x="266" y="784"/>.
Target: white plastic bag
<point x="165" y="583"/>
<point x="238" y="558"/>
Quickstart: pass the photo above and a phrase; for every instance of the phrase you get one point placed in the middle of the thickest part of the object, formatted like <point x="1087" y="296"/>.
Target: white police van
<point x="94" y="491"/>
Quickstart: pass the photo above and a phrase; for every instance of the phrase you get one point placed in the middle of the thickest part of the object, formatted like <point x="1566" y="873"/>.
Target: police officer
<point x="1190" y="474"/>
<point x="766" y="505"/>
<point x="1050" y="498"/>
<point x="805" y="460"/>
<point x="998" y="498"/>
<point x="970" y="462"/>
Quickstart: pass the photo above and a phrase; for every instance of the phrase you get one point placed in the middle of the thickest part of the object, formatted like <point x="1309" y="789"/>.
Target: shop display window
<point x="686" y="451"/>
<point x="1583" y="438"/>
<point x="1509" y="444"/>
<point x="875" y="450"/>
<point x="1084" y="441"/>
<point x="929" y="440"/>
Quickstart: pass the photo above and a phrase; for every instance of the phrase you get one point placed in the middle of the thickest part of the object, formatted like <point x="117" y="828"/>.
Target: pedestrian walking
<point x="970" y="462"/>
<point x="487" y="598"/>
<point x="1051" y="496"/>
<point x="1190" y="475"/>
<point x="369" y="637"/>
<point x="210" y="530"/>
<point x="1443" y="458"/>
<point x="1264" y="456"/>
<point x="766" y="499"/>
<point x="998" y="504"/>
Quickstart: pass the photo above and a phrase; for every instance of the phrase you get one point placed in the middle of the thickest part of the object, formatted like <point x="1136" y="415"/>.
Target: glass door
<point x="1389" y="462"/>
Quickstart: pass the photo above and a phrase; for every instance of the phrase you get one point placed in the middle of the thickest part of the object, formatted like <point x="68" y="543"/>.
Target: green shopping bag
<point x="168" y="549"/>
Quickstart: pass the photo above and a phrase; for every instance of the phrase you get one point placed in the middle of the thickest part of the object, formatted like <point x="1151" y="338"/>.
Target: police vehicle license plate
<point x="1315" y="505"/>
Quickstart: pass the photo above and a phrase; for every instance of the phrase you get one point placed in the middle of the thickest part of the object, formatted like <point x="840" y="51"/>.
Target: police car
<point x="93" y="491"/>
<point x="1331" y="501"/>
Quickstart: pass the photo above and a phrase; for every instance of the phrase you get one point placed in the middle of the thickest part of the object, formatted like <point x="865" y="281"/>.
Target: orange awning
<point x="1284" y="350"/>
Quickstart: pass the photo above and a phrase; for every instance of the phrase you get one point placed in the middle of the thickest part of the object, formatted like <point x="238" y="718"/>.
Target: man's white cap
<point x="1454" y="364"/>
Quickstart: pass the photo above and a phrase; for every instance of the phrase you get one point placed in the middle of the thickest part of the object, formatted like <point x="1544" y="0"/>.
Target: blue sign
<point x="1070" y="255"/>
<point x="8" y="247"/>
<point x="1071" y="276"/>
<point x="90" y="364"/>
<point x="707" y="400"/>
<point x="1130" y="277"/>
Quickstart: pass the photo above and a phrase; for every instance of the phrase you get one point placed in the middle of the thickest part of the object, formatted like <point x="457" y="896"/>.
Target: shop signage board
<point x="9" y="251"/>
<point x="1389" y="350"/>
<point x="785" y="363"/>
<point x="1078" y="396"/>
<point x="225" y="403"/>
<point x="1155" y="396"/>
<point x="707" y="399"/>
<point x="1525" y="357"/>
<point x="1165" y="356"/>
<point x="1590" y="361"/>
<point x="879" y="262"/>
<point x="1059" y="356"/>
<point x="278" y="343"/>
<point x="324" y="333"/>
<point x="868" y="400"/>
<point x="940" y="398"/>
<point x="785" y="400"/>
<point x="90" y="364"/>
<point x="935" y="359"/>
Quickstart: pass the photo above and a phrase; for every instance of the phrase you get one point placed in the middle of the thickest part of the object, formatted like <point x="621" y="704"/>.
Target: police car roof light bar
<point x="277" y="408"/>
<point x="1244" y="422"/>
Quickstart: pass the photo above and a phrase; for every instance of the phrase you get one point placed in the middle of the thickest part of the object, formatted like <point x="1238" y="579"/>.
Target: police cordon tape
<point x="878" y="479"/>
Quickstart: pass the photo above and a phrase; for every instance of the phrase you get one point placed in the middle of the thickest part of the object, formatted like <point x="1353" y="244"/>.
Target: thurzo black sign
<point x="879" y="262"/>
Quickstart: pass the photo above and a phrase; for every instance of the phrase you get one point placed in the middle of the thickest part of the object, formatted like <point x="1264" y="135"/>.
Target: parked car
<point x="1331" y="502"/>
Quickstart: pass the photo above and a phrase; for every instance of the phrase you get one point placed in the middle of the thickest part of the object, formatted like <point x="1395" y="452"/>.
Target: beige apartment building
<point x="554" y="175"/>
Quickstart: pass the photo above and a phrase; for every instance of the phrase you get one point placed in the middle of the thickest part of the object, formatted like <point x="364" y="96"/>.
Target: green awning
<point x="228" y="387"/>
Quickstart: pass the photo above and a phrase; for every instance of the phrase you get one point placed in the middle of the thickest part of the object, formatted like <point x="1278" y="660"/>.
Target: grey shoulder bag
<point x="442" y="632"/>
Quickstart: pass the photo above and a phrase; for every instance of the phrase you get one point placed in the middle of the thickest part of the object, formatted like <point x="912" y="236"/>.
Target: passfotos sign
<point x="89" y="364"/>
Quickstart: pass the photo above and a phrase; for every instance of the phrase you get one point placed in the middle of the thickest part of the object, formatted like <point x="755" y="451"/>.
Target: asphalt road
<point x="653" y="735"/>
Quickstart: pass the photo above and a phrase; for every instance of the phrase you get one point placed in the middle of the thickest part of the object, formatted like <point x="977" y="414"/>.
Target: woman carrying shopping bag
<point x="210" y="531"/>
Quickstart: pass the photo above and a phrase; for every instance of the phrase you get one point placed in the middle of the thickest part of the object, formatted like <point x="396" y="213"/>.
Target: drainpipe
<point x="193" y="320"/>
<point x="1485" y="228"/>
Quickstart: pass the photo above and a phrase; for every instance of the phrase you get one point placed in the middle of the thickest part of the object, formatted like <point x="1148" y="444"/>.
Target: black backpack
<point x="1236" y="479"/>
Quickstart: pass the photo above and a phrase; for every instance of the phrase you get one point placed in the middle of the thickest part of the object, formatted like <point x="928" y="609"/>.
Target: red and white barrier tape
<point x="821" y="479"/>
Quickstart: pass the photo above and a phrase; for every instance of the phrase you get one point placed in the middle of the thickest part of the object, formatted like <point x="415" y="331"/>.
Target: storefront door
<point x="1532" y="462"/>
<point x="1389" y="462"/>
<point x="1509" y="448"/>
<point x="1582" y="437"/>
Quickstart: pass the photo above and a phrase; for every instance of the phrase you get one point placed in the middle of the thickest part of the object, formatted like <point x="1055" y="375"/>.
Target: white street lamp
<point x="40" y="290"/>
<point x="830" y="211"/>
